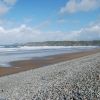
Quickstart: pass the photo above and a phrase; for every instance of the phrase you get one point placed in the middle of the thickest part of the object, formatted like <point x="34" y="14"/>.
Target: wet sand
<point x="23" y="65"/>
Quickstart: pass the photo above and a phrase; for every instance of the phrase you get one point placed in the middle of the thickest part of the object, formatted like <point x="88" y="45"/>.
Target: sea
<point x="16" y="53"/>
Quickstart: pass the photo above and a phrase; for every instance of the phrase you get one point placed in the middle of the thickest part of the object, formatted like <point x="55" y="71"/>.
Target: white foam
<point x="3" y="49"/>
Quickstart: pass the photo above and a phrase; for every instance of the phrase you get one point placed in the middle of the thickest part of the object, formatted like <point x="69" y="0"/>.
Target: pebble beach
<point x="76" y="79"/>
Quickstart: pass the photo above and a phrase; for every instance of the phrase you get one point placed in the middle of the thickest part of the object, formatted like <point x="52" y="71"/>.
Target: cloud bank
<point x="73" y="6"/>
<point x="25" y="33"/>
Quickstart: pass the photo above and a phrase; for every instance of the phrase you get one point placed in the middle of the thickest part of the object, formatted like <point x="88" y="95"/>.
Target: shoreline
<point x="77" y="79"/>
<point x="24" y="65"/>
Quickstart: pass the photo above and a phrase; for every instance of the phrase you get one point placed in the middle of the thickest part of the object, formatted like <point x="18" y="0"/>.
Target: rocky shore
<point x="77" y="79"/>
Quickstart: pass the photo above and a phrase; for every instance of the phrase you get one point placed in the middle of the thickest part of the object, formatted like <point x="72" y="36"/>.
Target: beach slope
<point x="77" y="79"/>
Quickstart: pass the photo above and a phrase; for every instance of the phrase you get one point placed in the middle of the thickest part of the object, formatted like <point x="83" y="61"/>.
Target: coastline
<point x="77" y="79"/>
<point x="24" y="65"/>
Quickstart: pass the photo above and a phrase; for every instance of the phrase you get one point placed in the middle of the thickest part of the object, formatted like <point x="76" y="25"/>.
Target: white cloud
<point x="10" y="2"/>
<point x="22" y="33"/>
<point x="3" y="9"/>
<point x="73" y="6"/>
<point x="6" y="5"/>
<point x="88" y="33"/>
<point x="25" y="33"/>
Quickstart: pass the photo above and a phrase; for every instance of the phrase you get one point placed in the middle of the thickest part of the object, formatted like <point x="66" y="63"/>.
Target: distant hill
<point x="64" y="43"/>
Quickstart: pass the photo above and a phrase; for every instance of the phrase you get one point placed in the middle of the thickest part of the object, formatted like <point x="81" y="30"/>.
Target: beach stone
<point x="2" y="98"/>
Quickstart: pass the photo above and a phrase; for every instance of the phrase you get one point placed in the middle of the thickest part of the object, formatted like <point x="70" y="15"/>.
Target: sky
<point x="49" y="20"/>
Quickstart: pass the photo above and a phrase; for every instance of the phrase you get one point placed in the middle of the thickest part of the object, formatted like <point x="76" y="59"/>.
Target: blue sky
<point x="47" y="20"/>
